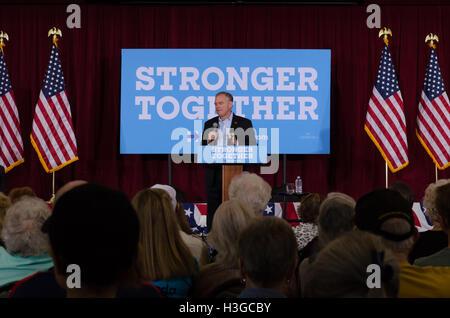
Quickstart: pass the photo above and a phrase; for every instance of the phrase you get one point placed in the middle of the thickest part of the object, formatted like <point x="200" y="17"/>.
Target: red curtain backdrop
<point x="91" y="64"/>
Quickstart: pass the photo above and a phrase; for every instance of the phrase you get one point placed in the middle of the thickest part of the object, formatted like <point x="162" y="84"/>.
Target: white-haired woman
<point x="26" y="246"/>
<point x="252" y="190"/>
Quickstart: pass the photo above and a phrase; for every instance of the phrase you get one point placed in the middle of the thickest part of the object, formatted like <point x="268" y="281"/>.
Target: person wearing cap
<point x="386" y="213"/>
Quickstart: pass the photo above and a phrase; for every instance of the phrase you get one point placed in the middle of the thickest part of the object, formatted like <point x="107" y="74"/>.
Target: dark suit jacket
<point x="238" y="122"/>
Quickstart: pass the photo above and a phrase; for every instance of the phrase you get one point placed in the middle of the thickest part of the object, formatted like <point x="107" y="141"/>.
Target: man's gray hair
<point x="252" y="190"/>
<point x="336" y="216"/>
<point x="21" y="231"/>
<point x="227" y="95"/>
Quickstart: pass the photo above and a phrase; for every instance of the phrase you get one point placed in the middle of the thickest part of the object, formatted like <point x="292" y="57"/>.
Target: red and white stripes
<point x="52" y="132"/>
<point x="11" y="145"/>
<point x="386" y="125"/>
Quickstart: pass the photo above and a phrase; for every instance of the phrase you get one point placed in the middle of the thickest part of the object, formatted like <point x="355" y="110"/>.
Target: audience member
<point x="252" y="190"/>
<point x="68" y="186"/>
<point x="182" y="219"/>
<point x="405" y="191"/>
<point x="386" y="213"/>
<point x="17" y="193"/>
<point x="44" y="284"/>
<point x="194" y="243"/>
<point x="267" y="258"/>
<point x="222" y="277"/>
<point x="340" y="269"/>
<point x="26" y="247"/>
<point x="442" y="208"/>
<point x="5" y="203"/>
<point x="336" y="214"/>
<point x="96" y="228"/>
<point x="436" y="239"/>
<point x="164" y="258"/>
<point x="307" y="212"/>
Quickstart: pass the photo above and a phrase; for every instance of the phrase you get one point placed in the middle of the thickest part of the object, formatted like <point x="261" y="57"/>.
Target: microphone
<point x="214" y="134"/>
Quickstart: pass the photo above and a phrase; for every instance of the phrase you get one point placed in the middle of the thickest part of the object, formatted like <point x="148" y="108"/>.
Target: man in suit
<point x="224" y="130"/>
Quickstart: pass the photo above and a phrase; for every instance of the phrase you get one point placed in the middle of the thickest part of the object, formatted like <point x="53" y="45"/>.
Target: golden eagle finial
<point x="3" y="35"/>
<point x="385" y="31"/>
<point x="432" y="37"/>
<point x="55" y="32"/>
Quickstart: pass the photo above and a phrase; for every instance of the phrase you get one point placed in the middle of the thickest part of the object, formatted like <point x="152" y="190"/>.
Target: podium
<point x="228" y="173"/>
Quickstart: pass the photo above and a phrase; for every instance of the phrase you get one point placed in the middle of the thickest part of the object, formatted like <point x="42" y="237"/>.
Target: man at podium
<point x="226" y="129"/>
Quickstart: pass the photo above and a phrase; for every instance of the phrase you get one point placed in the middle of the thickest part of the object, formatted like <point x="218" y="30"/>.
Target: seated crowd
<point x="93" y="241"/>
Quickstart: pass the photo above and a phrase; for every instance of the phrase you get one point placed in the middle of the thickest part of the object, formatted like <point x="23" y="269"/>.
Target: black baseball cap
<point x="377" y="206"/>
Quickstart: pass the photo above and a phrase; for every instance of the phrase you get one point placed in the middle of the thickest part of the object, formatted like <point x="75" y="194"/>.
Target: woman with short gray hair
<point x="26" y="245"/>
<point x="252" y="190"/>
<point x="336" y="217"/>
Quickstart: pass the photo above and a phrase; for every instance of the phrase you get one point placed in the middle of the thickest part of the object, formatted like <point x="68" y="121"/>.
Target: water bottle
<point x="298" y="185"/>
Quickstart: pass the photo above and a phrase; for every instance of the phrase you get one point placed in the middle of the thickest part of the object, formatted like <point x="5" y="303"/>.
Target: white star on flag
<point x="188" y="212"/>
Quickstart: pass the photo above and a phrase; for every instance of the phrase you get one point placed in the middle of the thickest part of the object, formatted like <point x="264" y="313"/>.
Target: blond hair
<point x="230" y="219"/>
<point x="429" y="199"/>
<point x="162" y="253"/>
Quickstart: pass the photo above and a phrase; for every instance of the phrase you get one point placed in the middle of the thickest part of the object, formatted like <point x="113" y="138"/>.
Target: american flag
<point x="385" y="121"/>
<point x="11" y="146"/>
<point x="52" y="133"/>
<point x="421" y="220"/>
<point x="196" y="216"/>
<point x="433" y="119"/>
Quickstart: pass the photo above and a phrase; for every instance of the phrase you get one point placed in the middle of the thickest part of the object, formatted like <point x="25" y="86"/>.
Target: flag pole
<point x="53" y="186"/>
<point x="385" y="32"/>
<point x="387" y="173"/>
<point x="431" y="38"/>
<point x="55" y="32"/>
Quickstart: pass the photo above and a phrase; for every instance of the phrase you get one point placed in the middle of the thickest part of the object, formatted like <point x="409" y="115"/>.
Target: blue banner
<point x="168" y="94"/>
